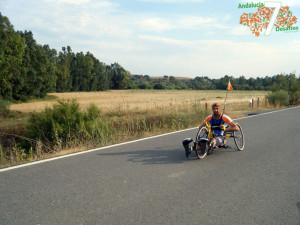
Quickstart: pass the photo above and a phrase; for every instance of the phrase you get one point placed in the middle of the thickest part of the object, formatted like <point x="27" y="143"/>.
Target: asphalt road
<point x="152" y="182"/>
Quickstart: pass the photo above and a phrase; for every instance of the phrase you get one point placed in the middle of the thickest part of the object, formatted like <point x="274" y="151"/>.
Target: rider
<point x="223" y="121"/>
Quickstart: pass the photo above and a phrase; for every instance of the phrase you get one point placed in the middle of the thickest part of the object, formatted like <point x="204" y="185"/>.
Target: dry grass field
<point x="145" y="100"/>
<point x="125" y="115"/>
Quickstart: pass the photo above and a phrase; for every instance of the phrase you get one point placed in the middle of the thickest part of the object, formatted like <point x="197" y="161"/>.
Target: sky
<point x="186" y="38"/>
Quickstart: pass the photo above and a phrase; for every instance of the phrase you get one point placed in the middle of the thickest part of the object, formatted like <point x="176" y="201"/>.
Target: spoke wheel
<point x="201" y="147"/>
<point x="239" y="139"/>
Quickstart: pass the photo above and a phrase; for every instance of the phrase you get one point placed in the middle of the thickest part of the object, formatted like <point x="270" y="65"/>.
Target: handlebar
<point x="216" y="128"/>
<point x="208" y="126"/>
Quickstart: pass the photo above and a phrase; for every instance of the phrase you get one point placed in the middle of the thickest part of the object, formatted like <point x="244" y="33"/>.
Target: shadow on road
<point x="153" y="156"/>
<point x="298" y="205"/>
<point x="161" y="156"/>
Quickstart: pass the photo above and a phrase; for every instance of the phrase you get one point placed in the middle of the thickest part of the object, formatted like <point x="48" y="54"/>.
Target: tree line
<point x="30" y="70"/>
<point x="276" y="82"/>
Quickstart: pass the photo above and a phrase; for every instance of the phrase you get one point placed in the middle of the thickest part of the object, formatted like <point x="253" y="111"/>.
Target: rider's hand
<point x="223" y="127"/>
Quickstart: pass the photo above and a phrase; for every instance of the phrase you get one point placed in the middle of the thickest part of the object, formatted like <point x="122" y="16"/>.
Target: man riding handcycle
<point x="213" y="132"/>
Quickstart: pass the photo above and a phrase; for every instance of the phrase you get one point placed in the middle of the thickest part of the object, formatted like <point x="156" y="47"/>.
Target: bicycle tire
<point x="239" y="139"/>
<point x="202" y="133"/>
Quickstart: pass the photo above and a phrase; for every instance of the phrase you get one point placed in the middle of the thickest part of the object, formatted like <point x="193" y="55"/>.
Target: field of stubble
<point x="152" y="100"/>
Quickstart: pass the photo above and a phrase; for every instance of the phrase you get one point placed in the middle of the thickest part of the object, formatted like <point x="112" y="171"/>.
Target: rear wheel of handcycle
<point x="239" y="139"/>
<point x="202" y="151"/>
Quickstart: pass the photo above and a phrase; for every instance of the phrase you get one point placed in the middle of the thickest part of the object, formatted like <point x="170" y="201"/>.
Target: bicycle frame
<point x="210" y="133"/>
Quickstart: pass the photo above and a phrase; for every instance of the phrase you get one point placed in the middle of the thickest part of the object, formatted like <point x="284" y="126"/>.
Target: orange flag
<point x="229" y="87"/>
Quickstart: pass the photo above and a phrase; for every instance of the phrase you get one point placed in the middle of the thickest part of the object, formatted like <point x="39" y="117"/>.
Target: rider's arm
<point x="203" y="124"/>
<point x="232" y="127"/>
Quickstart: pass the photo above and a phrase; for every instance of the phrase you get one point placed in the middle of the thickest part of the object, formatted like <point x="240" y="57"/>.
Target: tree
<point x="224" y="82"/>
<point x="173" y="80"/>
<point x="280" y="83"/>
<point x="38" y="68"/>
<point x="11" y="51"/>
<point x="81" y="72"/>
<point x="100" y="82"/>
<point x="294" y="89"/>
<point x="119" y="77"/>
<point x="50" y="78"/>
<point x="242" y="80"/>
<point x="147" y="77"/>
<point x="144" y="85"/>
<point x="64" y="60"/>
<point x="159" y="86"/>
<point x="267" y="83"/>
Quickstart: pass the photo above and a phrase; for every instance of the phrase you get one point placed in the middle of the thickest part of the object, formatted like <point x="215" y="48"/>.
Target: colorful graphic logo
<point x="267" y="16"/>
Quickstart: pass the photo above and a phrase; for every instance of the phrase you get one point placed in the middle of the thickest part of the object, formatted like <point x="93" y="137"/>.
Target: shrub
<point x="145" y="85"/>
<point x="294" y="98"/>
<point x="280" y="97"/>
<point x="63" y="124"/>
<point x="159" y="86"/>
<point x="4" y="107"/>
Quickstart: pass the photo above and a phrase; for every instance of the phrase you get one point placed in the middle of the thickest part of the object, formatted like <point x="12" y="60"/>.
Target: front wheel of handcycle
<point x="201" y="143"/>
<point x="239" y="139"/>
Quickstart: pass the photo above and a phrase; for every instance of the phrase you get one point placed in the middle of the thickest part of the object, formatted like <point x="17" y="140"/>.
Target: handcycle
<point x="202" y="144"/>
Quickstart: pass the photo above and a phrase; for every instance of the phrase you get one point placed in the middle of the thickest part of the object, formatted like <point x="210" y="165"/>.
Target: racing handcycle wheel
<point x="239" y="139"/>
<point x="201" y="141"/>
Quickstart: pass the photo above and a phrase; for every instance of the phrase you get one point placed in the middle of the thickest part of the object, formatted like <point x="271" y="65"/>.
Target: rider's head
<point x="216" y="108"/>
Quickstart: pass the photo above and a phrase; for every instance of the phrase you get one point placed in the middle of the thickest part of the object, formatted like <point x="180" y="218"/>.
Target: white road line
<point x="124" y="143"/>
<point x="88" y="151"/>
<point x="280" y="110"/>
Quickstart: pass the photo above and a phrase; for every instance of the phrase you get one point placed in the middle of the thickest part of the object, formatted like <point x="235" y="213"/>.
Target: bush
<point x="294" y="98"/>
<point x="64" y="124"/>
<point x="159" y="86"/>
<point x="279" y="98"/>
<point x="4" y="107"/>
<point x="145" y="85"/>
